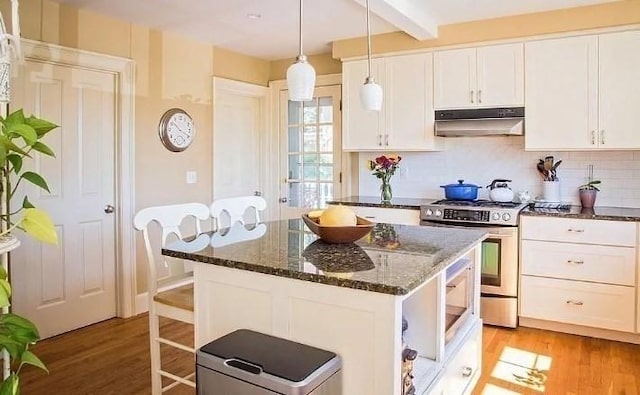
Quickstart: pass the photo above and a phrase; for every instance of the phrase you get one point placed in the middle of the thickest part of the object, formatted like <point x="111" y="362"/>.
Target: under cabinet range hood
<point x="480" y="122"/>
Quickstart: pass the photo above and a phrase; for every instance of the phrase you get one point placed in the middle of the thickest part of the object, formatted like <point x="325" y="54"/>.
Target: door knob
<point x="257" y="193"/>
<point x="283" y="200"/>
<point x="109" y="209"/>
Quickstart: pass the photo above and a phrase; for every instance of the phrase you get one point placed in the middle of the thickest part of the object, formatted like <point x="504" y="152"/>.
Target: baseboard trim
<point x="580" y="330"/>
<point x="142" y="303"/>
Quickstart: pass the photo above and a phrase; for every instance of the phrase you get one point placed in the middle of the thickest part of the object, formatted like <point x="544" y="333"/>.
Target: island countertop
<point x="392" y="259"/>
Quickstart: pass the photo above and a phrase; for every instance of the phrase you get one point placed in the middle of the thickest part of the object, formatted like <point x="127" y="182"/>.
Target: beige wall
<point x="591" y="17"/>
<point x="323" y="64"/>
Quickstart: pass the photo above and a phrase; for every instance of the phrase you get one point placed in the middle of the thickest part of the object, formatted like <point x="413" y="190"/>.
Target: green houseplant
<point x="20" y="136"/>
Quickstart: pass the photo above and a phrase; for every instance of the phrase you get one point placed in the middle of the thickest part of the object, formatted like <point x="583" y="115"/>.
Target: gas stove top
<point x="480" y="212"/>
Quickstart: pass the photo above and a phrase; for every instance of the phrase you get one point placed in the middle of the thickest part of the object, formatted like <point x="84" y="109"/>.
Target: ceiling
<point x="274" y="35"/>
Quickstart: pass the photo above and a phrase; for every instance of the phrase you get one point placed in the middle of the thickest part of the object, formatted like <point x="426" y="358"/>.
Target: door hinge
<point x="340" y="104"/>
<point x="340" y="178"/>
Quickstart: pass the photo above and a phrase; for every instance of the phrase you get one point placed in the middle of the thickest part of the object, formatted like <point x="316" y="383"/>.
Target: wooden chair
<point x="235" y="210"/>
<point x="174" y="301"/>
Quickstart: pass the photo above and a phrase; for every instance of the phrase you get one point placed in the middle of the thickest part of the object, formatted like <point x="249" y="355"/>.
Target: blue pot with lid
<point x="460" y="191"/>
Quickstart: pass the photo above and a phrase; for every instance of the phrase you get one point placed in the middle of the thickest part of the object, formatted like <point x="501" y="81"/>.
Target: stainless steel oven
<point x="499" y="265"/>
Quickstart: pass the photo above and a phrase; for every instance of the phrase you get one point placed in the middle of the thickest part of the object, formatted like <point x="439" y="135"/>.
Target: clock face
<point x="176" y="130"/>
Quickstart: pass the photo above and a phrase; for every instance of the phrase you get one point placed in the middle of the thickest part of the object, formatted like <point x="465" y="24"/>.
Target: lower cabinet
<point x="462" y="371"/>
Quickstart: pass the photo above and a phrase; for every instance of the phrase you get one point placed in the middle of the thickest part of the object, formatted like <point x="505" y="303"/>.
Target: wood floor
<point x="112" y="357"/>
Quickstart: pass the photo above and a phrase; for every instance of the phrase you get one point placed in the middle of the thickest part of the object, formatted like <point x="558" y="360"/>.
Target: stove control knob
<point x="496" y="216"/>
<point x="438" y="213"/>
<point x="429" y="212"/>
<point x="506" y="216"/>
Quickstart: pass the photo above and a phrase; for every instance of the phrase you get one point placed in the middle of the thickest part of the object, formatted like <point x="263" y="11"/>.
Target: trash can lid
<point x="279" y="357"/>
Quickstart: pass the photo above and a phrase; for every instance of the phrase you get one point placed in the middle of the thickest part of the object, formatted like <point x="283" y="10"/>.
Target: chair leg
<point x="154" y="334"/>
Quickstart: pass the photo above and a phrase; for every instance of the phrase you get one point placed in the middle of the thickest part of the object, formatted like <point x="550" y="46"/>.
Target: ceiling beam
<point x="410" y="16"/>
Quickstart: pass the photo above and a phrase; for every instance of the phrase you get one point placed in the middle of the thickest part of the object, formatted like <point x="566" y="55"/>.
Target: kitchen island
<point x="350" y="299"/>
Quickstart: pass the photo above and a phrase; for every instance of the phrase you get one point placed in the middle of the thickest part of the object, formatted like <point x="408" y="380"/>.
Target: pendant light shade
<point x="301" y="77"/>
<point x="370" y="92"/>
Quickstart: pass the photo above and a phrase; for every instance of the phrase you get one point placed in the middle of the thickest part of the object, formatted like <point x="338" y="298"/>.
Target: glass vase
<point x="385" y="192"/>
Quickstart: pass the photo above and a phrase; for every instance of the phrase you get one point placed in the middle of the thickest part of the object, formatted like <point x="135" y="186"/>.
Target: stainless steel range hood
<point x="480" y="122"/>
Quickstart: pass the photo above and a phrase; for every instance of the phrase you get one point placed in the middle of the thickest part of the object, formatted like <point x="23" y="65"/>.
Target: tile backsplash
<point x="479" y="160"/>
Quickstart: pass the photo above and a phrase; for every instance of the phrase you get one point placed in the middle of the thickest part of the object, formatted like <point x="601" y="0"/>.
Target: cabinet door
<point x="409" y="114"/>
<point x="561" y="96"/>
<point x="501" y="75"/>
<point x="619" y="90"/>
<point x="455" y="78"/>
<point x="361" y="128"/>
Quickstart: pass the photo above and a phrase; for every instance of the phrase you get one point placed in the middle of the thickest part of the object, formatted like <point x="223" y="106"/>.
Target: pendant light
<point x="370" y="92"/>
<point x="301" y="77"/>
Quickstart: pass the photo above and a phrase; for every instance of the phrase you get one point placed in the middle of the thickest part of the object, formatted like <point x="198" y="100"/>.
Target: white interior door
<point x="239" y="124"/>
<point x="73" y="284"/>
<point x="311" y="151"/>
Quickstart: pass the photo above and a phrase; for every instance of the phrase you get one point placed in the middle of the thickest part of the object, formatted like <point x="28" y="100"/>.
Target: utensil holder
<point x="551" y="191"/>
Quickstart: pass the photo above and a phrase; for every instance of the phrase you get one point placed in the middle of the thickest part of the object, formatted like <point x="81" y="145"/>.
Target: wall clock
<point x="176" y="130"/>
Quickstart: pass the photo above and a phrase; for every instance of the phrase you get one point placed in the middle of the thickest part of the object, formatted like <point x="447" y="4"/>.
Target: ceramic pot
<point x="551" y="191"/>
<point x="588" y="197"/>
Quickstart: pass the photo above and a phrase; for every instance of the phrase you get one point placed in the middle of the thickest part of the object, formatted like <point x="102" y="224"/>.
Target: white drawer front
<point x="388" y="215"/>
<point x="574" y="302"/>
<point x="464" y="367"/>
<point x="601" y="264"/>
<point x="583" y="231"/>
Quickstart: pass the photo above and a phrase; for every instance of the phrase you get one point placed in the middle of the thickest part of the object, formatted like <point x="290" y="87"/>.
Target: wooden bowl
<point x="339" y="234"/>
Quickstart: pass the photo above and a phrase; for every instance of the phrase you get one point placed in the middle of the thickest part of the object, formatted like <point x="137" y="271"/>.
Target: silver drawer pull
<point x="575" y="302"/>
<point x="575" y="230"/>
<point x="370" y="216"/>
<point x="467" y="372"/>
<point x="572" y="262"/>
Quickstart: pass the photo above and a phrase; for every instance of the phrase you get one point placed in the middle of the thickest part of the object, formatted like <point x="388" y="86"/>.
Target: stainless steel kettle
<point x="500" y="191"/>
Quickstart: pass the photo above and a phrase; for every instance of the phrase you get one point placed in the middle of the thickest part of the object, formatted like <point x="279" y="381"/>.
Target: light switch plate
<point x="192" y="177"/>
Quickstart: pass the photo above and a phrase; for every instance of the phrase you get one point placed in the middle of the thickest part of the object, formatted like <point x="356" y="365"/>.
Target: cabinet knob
<point x="593" y="137"/>
<point x="386" y="140"/>
<point x="575" y="302"/>
<point x="471" y="96"/>
<point x="380" y="140"/>
<point x="467" y="371"/>
<point x="480" y="96"/>
<point x="602" y="137"/>
<point x="575" y="230"/>
<point x="572" y="262"/>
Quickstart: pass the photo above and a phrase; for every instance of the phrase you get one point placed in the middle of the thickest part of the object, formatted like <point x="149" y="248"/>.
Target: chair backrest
<point x="236" y="208"/>
<point x="236" y="233"/>
<point x="169" y="218"/>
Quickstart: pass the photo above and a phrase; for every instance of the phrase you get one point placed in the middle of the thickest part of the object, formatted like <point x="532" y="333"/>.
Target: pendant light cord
<point x="368" y="41"/>
<point x="300" y="51"/>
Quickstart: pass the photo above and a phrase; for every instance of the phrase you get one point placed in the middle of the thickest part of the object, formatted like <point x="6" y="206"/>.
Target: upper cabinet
<point x="582" y="92"/>
<point x="491" y="76"/>
<point x="407" y="117"/>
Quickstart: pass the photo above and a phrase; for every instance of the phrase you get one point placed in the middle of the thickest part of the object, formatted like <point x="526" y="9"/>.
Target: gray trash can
<point x="245" y="362"/>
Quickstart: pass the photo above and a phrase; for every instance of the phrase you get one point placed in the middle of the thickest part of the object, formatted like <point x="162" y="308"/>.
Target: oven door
<point x="499" y="266"/>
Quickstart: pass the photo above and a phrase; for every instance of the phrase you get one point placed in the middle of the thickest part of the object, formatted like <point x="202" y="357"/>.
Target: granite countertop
<point x="374" y="201"/>
<point x="601" y="213"/>
<point x="392" y="259"/>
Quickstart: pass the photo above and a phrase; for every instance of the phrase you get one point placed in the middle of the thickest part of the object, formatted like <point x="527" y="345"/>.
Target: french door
<point x="311" y="151"/>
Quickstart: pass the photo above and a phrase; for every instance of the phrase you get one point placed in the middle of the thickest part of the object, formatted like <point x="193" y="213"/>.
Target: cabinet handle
<point x="467" y="371"/>
<point x="602" y="137"/>
<point x="572" y="262"/>
<point x="575" y="230"/>
<point x="380" y="140"/>
<point x="471" y="96"/>
<point x="593" y="137"/>
<point x="370" y="217"/>
<point x="575" y="302"/>
<point x="480" y="96"/>
<point x="386" y="139"/>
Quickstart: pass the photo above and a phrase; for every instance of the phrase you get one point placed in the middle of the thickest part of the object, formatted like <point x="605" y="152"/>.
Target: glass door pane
<point x="490" y="269"/>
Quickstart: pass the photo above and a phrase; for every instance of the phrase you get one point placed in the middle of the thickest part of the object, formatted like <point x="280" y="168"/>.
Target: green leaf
<point x="31" y="359"/>
<point x="39" y="225"/>
<point x="11" y="385"/>
<point x="3" y="154"/>
<point x="35" y="179"/>
<point x="13" y="347"/>
<point x="3" y="273"/>
<point x="16" y="162"/>
<point x="41" y="126"/>
<point x="25" y="131"/>
<point x="15" y="118"/>
<point x="18" y="328"/>
<point x="41" y="147"/>
<point x="10" y="146"/>
<point x="26" y="203"/>
<point x="5" y="293"/>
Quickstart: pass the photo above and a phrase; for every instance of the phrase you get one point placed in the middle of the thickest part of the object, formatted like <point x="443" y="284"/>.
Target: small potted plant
<point x="384" y="167"/>
<point x="589" y="191"/>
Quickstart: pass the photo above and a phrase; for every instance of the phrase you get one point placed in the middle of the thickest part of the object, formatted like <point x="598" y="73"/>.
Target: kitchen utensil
<point x="500" y="191"/>
<point x="339" y="234"/>
<point x="541" y="169"/>
<point x="460" y="191"/>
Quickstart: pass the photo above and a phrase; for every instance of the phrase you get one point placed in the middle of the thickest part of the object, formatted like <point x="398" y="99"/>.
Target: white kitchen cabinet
<point x="578" y="272"/>
<point x="406" y="120"/>
<point x="582" y="92"/>
<point x="388" y="215"/>
<point x="491" y="76"/>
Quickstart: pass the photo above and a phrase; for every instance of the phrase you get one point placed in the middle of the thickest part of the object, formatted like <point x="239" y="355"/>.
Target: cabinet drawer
<point x="601" y="264"/>
<point x="585" y="231"/>
<point x="579" y="303"/>
<point x="388" y="215"/>
<point x="464" y="367"/>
